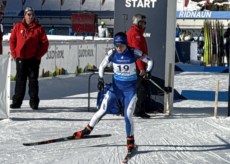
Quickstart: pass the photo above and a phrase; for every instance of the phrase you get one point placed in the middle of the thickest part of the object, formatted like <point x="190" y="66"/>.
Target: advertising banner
<point x="4" y="86"/>
<point x="66" y="58"/>
<point x="102" y="50"/>
<point x="87" y="57"/>
<point x="12" y="12"/>
<point x="47" y="66"/>
<point x="6" y="50"/>
<point x="203" y="14"/>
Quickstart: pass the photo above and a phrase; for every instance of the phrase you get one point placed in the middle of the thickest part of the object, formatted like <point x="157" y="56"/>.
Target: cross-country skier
<point x="124" y="85"/>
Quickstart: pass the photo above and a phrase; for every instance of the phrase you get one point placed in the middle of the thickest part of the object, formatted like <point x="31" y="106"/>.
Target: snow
<point x="190" y="135"/>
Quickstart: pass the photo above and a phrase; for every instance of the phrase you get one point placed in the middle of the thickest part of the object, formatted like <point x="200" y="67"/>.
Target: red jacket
<point x="136" y="39"/>
<point x="28" y="41"/>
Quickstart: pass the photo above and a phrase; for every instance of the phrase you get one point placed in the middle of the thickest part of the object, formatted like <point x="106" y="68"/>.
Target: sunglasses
<point x="119" y="45"/>
<point x="30" y="15"/>
<point x="1" y="13"/>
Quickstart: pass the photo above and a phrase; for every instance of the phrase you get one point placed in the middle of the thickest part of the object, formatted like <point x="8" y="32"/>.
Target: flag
<point x="82" y="2"/>
<point x="102" y="3"/>
<point x="23" y="2"/>
<point x="207" y="2"/>
<point x="4" y="2"/>
<point x="186" y="3"/>
<point x="62" y="2"/>
<point x="43" y="1"/>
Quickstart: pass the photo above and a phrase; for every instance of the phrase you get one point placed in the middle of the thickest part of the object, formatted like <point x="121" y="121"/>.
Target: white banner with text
<point x="4" y="86"/>
<point x="68" y="58"/>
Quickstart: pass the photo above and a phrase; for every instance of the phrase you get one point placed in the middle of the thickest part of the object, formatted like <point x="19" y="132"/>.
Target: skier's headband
<point x="28" y="9"/>
<point x="120" y="40"/>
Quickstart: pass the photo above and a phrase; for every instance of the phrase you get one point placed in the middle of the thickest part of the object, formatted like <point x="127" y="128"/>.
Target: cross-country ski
<point x="70" y="138"/>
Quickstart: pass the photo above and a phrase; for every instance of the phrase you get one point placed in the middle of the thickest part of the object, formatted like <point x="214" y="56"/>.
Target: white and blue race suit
<point x="124" y="84"/>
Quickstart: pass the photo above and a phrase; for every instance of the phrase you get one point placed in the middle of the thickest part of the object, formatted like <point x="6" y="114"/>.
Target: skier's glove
<point x="100" y="84"/>
<point x="147" y="76"/>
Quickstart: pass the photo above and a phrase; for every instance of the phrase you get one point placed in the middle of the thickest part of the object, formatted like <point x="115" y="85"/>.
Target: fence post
<point x="169" y="94"/>
<point x="216" y="98"/>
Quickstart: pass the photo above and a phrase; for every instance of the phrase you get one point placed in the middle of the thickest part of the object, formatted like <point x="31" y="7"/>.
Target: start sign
<point x="140" y="3"/>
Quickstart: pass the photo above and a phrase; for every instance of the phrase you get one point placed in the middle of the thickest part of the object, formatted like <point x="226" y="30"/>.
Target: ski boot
<point x="84" y="132"/>
<point x="130" y="143"/>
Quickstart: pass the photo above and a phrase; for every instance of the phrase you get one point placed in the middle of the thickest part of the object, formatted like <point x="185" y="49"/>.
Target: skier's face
<point x="120" y="47"/>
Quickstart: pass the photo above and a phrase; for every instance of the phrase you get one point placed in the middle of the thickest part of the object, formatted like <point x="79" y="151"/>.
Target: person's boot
<point x="130" y="143"/>
<point x="142" y="115"/>
<point x="14" y="106"/>
<point x="84" y="132"/>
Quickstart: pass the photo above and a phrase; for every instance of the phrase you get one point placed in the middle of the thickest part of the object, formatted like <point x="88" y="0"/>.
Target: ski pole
<point x="157" y="85"/>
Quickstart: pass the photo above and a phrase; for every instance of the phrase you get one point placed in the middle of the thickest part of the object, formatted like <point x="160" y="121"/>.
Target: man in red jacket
<point x="28" y="43"/>
<point x="137" y="40"/>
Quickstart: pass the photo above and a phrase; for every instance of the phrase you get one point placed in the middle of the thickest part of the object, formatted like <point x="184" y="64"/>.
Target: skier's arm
<point x="105" y="62"/>
<point x="102" y="66"/>
<point x="139" y="55"/>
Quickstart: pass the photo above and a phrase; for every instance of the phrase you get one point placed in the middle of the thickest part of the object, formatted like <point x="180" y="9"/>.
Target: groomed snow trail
<point x="190" y="135"/>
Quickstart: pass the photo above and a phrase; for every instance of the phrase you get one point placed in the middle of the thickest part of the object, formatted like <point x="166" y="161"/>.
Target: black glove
<point x="100" y="84"/>
<point x="147" y="76"/>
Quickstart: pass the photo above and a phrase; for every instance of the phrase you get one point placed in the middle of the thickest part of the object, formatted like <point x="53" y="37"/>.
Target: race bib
<point x="124" y="72"/>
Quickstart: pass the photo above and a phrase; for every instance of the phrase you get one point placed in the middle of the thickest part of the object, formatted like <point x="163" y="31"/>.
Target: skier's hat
<point x="120" y="38"/>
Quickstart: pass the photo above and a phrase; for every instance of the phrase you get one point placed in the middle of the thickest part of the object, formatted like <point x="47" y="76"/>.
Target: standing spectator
<point x="2" y="8"/>
<point x="182" y="35"/>
<point x="28" y="43"/>
<point x="137" y="40"/>
<point x="52" y="31"/>
<point x="200" y="49"/>
<point x="103" y="30"/>
<point x="178" y="31"/>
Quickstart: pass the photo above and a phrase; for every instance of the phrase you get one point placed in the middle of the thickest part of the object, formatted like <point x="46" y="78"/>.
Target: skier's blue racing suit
<point x="124" y="84"/>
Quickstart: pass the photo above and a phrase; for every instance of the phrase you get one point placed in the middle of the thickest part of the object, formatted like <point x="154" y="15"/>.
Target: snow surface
<point x="190" y="135"/>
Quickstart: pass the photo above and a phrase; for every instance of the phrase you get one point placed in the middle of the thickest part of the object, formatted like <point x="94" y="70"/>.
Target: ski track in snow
<point x="190" y="135"/>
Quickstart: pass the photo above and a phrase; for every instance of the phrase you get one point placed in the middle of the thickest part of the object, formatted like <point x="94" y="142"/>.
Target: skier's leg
<point x="130" y="103"/>
<point x="109" y="100"/>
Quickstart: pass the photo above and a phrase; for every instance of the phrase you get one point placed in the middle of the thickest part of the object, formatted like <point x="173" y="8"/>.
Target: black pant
<point x="27" y="68"/>
<point x="142" y="90"/>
